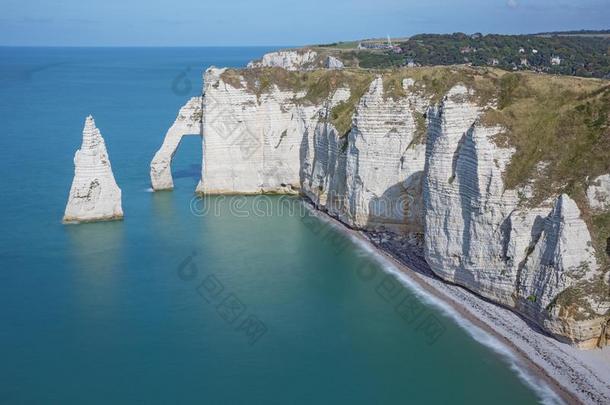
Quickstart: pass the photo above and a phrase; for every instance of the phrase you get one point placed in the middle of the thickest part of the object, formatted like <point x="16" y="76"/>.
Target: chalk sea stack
<point x="94" y="195"/>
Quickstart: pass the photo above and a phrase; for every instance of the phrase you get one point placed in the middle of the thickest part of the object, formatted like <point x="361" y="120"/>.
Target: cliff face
<point x="420" y="157"/>
<point x="288" y="59"/>
<point x="464" y="198"/>
<point x="478" y="235"/>
<point x="385" y="161"/>
<point x="252" y="142"/>
<point x="301" y="59"/>
<point x="94" y="195"/>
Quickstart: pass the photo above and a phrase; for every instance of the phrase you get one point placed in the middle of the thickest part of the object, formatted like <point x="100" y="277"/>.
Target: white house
<point x="555" y="60"/>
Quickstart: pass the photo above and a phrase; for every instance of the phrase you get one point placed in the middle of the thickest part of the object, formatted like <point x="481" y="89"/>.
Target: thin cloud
<point x="37" y="20"/>
<point x="176" y="21"/>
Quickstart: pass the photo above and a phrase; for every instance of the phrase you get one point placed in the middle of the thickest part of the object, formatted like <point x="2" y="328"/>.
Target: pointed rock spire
<point x="94" y="195"/>
<point x="91" y="135"/>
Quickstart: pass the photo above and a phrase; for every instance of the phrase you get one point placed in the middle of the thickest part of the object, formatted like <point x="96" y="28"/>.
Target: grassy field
<point x="339" y="45"/>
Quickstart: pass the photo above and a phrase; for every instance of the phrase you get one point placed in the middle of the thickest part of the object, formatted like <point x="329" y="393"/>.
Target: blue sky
<point x="278" y="22"/>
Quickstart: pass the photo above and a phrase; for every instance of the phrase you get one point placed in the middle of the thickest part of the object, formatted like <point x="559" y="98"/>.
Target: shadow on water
<point x="193" y="171"/>
<point x="186" y="162"/>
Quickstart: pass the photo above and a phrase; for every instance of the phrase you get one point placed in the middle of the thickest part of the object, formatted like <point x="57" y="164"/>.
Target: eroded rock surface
<point x="333" y="63"/>
<point x="478" y="235"/>
<point x="302" y="59"/>
<point x="252" y="144"/>
<point x="94" y="195"/>
<point x="289" y="60"/>
<point x="598" y="193"/>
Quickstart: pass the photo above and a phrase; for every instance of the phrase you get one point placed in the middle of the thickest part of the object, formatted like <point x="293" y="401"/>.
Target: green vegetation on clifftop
<point x="585" y="54"/>
<point x="318" y="86"/>
<point x="559" y="128"/>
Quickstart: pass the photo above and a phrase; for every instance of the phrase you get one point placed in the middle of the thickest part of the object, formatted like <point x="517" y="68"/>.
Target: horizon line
<point x="150" y="46"/>
<point x="575" y="32"/>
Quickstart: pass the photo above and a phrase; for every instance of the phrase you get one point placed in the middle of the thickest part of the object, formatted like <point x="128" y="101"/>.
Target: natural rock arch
<point x="188" y="122"/>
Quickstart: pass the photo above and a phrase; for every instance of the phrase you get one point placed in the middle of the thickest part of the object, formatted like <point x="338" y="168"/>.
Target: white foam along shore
<point x="556" y="372"/>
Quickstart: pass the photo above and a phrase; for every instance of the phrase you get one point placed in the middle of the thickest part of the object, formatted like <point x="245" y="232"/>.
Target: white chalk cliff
<point x="445" y="186"/>
<point x="333" y="63"/>
<point x="289" y="60"/>
<point x="252" y="144"/>
<point x="598" y="193"/>
<point x="385" y="162"/>
<point x="476" y="234"/>
<point x="94" y="195"/>
<point x="302" y="59"/>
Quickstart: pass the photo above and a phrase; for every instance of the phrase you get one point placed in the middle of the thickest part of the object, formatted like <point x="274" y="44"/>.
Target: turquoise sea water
<point x="172" y="307"/>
